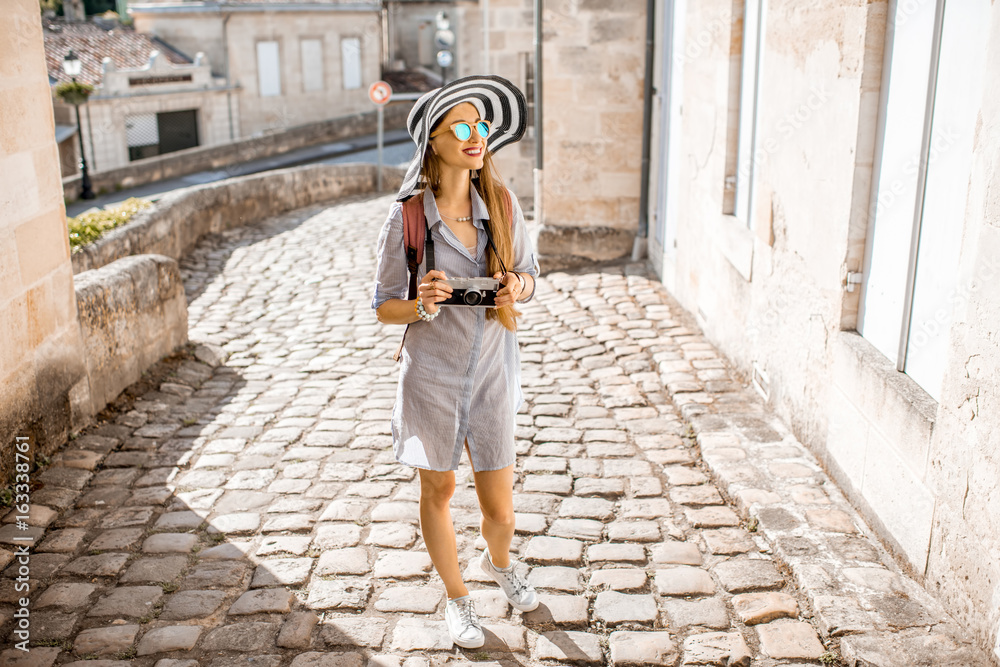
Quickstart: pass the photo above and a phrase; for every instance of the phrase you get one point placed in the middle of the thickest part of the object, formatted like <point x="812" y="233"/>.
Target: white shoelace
<point x="516" y="582"/>
<point x="467" y="613"/>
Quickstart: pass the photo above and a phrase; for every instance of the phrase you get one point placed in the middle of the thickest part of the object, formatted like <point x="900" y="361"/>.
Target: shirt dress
<point x="460" y="374"/>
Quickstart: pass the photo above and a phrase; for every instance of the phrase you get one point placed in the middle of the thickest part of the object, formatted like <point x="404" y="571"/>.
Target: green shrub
<point x="88" y="227"/>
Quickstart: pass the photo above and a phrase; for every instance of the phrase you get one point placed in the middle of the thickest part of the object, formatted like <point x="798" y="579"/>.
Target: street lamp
<point x="71" y="66"/>
<point x="444" y="40"/>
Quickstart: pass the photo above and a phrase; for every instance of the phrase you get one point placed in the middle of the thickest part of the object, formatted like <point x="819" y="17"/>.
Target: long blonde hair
<point x="490" y="186"/>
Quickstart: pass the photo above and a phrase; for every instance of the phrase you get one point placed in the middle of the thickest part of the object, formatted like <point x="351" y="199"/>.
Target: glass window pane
<point x="949" y="164"/>
<point x="312" y="65"/>
<point x="895" y="196"/>
<point x="351" y="61"/>
<point x="268" y="70"/>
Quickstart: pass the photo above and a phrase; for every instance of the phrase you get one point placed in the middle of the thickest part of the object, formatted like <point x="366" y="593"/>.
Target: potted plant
<point x="74" y="93"/>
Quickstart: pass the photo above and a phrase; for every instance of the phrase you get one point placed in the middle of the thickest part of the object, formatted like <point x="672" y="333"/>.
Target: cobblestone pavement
<point x="251" y="512"/>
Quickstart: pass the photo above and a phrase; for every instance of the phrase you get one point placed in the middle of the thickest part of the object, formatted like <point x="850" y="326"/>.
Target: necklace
<point x="465" y="219"/>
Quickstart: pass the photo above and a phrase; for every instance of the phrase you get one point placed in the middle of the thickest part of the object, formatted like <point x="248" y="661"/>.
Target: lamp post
<point x="444" y="40"/>
<point x="71" y="66"/>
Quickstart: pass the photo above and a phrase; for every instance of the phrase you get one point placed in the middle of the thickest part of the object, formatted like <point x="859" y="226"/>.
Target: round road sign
<point x="380" y="92"/>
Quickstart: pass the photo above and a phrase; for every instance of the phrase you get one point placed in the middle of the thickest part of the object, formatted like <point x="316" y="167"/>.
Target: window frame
<point x="262" y="89"/>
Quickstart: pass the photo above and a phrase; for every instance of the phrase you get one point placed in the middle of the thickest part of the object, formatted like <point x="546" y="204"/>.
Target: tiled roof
<point x="91" y="43"/>
<point x="374" y="3"/>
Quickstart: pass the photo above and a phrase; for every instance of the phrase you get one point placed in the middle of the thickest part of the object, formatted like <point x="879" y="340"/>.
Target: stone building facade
<point x="593" y="77"/>
<point x="42" y="367"/>
<point x="821" y="199"/>
<point x="148" y="99"/>
<point x="291" y="63"/>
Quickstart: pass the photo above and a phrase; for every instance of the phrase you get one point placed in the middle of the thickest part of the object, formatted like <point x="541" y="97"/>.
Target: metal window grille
<point x="155" y="134"/>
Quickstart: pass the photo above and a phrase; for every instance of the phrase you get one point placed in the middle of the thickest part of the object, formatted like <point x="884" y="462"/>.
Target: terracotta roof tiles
<point x="91" y="43"/>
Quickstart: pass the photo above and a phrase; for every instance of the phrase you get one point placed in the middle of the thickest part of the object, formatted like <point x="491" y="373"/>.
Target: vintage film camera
<point x="474" y="292"/>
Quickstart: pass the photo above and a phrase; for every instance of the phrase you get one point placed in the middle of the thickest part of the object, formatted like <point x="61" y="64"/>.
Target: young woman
<point x="459" y="383"/>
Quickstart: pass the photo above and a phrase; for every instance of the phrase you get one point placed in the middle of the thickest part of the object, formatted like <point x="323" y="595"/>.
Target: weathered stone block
<point x="170" y="638"/>
<point x="754" y="608"/>
<point x="790" y="639"/>
<point x="642" y="648"/>
<point x="614" y="607"/>
<point x="581" y="647"/>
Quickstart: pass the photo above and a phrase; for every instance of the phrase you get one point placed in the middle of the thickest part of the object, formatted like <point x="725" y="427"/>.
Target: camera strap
<point x="489" y="239"/>
<point x="428" y="248"/>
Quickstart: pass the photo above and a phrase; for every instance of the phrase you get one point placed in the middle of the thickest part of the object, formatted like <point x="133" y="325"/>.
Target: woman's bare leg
<point x="436" y="489"/>
<point x="495" y="489"/>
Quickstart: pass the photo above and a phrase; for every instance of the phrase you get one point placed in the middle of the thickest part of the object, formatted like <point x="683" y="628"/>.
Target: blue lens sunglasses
<point x="463" y="129"/>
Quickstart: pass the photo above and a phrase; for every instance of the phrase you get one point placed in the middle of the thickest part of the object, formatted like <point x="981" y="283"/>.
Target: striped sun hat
<point x="498" y="100"/>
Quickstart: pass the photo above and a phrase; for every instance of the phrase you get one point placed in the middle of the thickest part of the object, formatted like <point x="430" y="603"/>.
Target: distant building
<point x="149" y="98"/>
<point x="289" y="63"/>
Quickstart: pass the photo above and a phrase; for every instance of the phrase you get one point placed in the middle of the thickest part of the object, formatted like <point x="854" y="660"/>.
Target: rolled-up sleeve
<point x="391" y="276"/>
<point x="525" y="258"/>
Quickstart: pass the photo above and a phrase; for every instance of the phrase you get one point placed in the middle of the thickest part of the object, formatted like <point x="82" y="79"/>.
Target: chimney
<point x="74" y="11"/>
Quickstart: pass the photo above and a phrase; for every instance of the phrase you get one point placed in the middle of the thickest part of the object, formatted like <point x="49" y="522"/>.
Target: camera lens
<point x="473" y="298"/>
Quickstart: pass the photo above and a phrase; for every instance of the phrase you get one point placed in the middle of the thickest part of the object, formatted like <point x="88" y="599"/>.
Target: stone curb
<point x="878" y="613"/>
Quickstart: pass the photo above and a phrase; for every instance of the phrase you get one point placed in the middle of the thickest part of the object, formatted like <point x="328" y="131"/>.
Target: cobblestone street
<point x="250" y="510"/>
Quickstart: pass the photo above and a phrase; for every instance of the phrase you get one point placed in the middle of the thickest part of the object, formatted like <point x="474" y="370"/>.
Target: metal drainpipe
<point x="539" y="144"/>
<point x="639" y="246"/>
<point x="485" y="4"/>
<point x="229" y="87"/>
<point x="386" y="39"/>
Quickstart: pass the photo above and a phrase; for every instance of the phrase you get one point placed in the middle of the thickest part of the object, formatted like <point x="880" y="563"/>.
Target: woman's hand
<point x="511" y="290"/>
<point x="430" y="291"/>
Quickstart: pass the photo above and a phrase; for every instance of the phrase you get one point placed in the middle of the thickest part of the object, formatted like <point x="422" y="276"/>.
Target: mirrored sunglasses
<point x="463" y="130"/>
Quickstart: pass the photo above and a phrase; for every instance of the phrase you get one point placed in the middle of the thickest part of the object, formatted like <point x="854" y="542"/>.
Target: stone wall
<point x="773" y="297"/>
<point x="42" y="373"/>
<point x="133" y="312"/>
<point x="178" y="220"/>
<point x="593" y="79"/>
<point x="963" y="462"/>
<point x="231" y="155"/>
<point x="593" y="96"/>
<point x="511" y="48"/>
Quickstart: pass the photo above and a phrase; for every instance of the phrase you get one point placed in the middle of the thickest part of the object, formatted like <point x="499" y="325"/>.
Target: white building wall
<point x="772" y="294"/>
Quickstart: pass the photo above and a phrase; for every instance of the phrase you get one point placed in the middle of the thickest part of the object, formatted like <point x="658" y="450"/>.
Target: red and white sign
<point x="380" y="92"/>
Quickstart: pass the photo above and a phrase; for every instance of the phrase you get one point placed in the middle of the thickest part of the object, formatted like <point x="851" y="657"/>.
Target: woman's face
<point x="450" y="149"/>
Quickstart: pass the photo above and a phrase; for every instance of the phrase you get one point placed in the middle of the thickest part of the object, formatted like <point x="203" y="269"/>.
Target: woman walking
<point x="459" y="384"/>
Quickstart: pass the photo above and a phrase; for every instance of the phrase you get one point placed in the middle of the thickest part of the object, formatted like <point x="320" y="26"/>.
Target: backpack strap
<point x="508" y="206"/>
<point x="414" y="228"/>
<point x="415" y="239"/>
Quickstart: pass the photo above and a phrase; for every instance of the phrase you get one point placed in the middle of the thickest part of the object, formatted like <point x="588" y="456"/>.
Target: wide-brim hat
<point x="498" y="101"/>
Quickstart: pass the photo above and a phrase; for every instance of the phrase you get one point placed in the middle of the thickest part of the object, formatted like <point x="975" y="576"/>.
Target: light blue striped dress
<point x="460" y="374"/>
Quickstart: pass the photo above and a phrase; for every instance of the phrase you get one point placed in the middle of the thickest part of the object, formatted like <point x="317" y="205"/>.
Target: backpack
<point x="416" y="240"/>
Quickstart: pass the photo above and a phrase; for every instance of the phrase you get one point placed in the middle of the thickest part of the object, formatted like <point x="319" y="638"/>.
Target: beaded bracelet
<point x="423" y="314"/>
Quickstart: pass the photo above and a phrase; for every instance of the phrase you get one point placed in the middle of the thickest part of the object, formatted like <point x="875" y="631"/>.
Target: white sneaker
<point x="520" y="594"/>
<point x="463" y="623"/>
